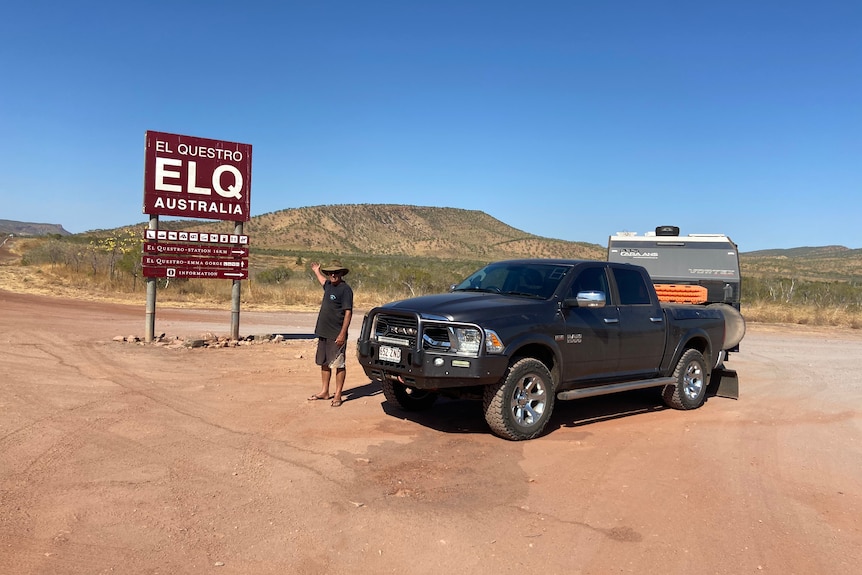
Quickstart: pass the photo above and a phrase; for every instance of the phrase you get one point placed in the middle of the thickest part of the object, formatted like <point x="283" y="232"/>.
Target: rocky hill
<point x="452" y="234"/>
<point x="30" y="229"/>
<point x="385" y="229"/>
<point x="826" y="263"/>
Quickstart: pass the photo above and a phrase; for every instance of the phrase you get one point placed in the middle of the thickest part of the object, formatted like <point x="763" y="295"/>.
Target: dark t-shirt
<point x="337" y="299"/>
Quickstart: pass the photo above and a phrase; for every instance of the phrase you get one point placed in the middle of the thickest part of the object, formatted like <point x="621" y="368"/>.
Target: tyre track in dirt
<point x="202" y="420"/>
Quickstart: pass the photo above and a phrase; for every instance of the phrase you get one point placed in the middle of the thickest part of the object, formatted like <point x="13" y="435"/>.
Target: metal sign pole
<point x="235" y="293"/>
<point x="151" y="295"/>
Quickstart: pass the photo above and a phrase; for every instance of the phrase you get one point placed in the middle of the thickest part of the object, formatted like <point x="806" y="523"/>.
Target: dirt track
<point x="125" y="458"/>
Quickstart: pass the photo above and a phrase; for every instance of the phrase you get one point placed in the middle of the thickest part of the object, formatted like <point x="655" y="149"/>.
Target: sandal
<point x="337" y="402"/>
<point x="315" y="397"/>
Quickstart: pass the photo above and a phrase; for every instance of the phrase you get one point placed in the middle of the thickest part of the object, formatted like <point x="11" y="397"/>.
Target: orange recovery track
<point x="676" y="293"/>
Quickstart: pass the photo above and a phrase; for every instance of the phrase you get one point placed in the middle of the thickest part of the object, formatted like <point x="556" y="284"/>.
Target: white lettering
<point x="637" y="254"/>
<point x="198" y="206"/>
<point x="193" y="181"/>
<point x="162" y="173"/>
<point x="233" y="191"/>
<point x="205" y="152"/>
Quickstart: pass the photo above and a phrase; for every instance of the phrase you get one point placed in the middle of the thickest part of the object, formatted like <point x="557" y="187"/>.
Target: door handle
<point x="611" y="320"/>
<point x="656" y="319"/>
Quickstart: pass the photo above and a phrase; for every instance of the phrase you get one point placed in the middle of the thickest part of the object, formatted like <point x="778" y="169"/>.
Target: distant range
<point x="30" y="229"/>
<point x="386" y="229"/>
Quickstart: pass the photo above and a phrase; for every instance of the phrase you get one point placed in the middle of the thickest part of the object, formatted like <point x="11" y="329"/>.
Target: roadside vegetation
<point x="803" y="302"/>
<point x="393" y="252"/>
<point x="107" y="266"/>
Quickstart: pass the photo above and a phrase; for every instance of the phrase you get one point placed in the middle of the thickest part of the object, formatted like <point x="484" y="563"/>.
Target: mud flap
<point x="723" y="383"/>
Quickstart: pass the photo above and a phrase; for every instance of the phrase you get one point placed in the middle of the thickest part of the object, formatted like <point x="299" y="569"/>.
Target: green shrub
<point x="275" y="275"/>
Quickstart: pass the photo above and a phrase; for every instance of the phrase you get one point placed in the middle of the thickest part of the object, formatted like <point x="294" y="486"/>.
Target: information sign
<point x="199" y="273"/>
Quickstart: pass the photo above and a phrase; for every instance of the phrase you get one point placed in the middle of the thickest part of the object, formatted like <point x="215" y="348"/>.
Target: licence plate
<point x="386" y="353"/>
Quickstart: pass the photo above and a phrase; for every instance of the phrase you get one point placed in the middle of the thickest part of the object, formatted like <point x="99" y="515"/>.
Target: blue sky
<point x="567" y="119"/>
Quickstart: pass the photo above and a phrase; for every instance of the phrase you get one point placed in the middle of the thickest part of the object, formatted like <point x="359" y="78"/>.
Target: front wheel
<point x="409" y="398"/>
<point x="519" y="406"/>
<point x="689" y="392"/>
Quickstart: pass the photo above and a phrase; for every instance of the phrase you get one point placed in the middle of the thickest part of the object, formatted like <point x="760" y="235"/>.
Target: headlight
<point x="465" y="340"/>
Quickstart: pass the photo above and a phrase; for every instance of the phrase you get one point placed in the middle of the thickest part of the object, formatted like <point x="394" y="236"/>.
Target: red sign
<point x="169" y="261"/>
<point x="202" y="273"/>
<point x="195" y="250"/>
<point x="196" y="177"/>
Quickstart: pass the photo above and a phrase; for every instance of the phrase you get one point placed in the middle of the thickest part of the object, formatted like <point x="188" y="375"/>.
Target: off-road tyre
<point x="409" y="398"/>
<point x="520" y="405"/>
<point x="692" y="379"/>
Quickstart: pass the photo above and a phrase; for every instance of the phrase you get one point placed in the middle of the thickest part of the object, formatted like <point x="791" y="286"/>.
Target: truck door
<point x="642" y="323"/>
<point x="591" y="347"/>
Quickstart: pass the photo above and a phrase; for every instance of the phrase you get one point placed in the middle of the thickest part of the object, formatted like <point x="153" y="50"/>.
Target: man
<point x="333" y="320"/>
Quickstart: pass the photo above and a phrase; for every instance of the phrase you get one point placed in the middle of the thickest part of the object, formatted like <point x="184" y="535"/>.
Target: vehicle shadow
<point x="582" y="412"/>
<point x="465" y="415"/>
<point x="447" y="415"/>
<point x="369" y="389"/>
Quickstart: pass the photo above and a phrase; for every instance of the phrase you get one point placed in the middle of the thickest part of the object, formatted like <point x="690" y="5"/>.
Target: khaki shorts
<point x="330" y="353"/>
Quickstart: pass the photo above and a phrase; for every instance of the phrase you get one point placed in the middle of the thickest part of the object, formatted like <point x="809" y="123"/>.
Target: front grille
<point x="436" y="338"/>
<point x="396" y="329"/>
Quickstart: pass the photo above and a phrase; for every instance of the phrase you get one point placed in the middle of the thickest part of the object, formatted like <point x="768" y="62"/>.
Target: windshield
<point x="534" y="280"/>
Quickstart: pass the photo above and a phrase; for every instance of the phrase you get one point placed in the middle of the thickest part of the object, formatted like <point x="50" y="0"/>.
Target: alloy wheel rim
<point x="529" y="400"/>
<point x="692" y="380"/>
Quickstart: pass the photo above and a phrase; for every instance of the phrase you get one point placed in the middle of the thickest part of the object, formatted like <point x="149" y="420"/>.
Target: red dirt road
<point x="128" y="458"/>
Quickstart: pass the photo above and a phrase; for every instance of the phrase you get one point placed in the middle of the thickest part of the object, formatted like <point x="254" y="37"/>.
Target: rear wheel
<point x="409" y="398"/>
<point x="520" y="405"/>
<point x="691" y="376"/>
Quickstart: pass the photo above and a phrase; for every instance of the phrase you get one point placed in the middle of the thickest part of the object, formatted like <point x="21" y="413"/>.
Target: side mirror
<point x="587" y="299"/>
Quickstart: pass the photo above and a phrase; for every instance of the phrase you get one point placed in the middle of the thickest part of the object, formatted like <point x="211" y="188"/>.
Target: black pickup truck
<point x="520" y="334"/>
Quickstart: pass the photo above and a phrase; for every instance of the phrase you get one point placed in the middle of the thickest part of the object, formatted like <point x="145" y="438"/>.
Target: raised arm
<point x="315" y="267"/>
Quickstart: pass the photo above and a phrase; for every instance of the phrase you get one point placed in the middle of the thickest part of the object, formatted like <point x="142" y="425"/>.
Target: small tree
<point x="273" y="276"/>
<point x="122" y="251"/>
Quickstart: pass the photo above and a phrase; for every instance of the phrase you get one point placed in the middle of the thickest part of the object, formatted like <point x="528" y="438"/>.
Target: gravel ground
<point x="129" y="458"/>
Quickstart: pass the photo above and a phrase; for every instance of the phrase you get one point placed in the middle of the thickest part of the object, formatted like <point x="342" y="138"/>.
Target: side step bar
<point x="615" y="387"/>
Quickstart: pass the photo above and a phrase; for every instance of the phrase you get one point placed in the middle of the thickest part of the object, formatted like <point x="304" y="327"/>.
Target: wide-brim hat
<point x="333" y="268"/>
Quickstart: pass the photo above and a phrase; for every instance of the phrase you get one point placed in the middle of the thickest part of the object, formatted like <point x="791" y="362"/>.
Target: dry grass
<point x="302" y="293"/>
<point x="807" y="290"/>
<point x="809" y="315"/>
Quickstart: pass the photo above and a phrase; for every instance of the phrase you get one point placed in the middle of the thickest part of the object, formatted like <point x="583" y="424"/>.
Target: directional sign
<point x="195" y="250"/>
<point x="202" y="273"/>
<point x="169" y="261"/>
<point x="183" y="254"/>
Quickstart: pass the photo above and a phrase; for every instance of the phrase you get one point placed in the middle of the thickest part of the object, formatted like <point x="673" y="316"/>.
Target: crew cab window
<point x="590" y="279"/>
<point x="631" y="286"/>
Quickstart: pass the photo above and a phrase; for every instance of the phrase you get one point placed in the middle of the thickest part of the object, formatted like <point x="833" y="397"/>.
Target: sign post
<point x="191" y="177"/>
<point x="234" y="297"/>
<point x="151" y="294"/>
